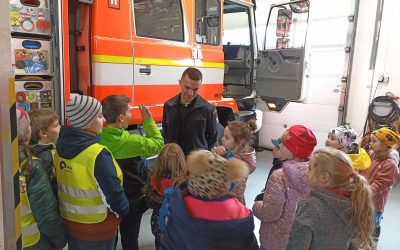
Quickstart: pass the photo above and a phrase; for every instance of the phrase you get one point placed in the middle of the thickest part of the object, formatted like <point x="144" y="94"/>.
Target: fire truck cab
<point x="140" y="48"/>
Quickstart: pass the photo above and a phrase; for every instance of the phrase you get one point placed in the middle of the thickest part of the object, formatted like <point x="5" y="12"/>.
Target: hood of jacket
<point x="186" y="232"/>
<point x="296" y="173"/>
<point x="248" y="157"/>
<point x="164" y="184"/>
<point x="112" y="137"/>
<point x="72" y="141"/>
<point x="40" y="148"/>
<point x="394" y="155"/>
<point x="338" y="206"/>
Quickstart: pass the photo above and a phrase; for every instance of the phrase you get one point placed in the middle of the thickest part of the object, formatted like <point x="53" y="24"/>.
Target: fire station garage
<point x="199" y="124"/>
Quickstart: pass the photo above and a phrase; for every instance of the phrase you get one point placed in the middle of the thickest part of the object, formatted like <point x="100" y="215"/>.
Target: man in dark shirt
<point x="188" y="119"/>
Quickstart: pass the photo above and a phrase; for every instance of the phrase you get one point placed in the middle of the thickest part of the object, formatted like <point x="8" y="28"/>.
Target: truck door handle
<point x="145" y="71"/>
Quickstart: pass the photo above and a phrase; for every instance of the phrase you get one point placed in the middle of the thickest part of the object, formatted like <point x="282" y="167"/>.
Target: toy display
<point x="34" y="94"/>
<point x="31" y="57"/>
<point x="29" y="19"/>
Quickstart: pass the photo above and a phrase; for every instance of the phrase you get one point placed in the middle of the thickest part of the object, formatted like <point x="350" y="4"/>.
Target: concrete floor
<point x="389" y="239"/>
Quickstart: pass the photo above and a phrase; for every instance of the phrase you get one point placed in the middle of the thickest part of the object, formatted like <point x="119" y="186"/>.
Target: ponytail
<point x="362" y="212"/>
<point x="339" y="166"/>
<point x="28" y="160"/>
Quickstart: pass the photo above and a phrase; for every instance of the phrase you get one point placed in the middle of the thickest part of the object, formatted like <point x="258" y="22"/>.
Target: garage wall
<point x="325" y="57"/>
<point x="365" y="81"/>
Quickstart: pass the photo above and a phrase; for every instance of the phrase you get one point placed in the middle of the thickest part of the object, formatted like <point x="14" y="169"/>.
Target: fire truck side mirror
<point x="284" y="21"/>
<point x="213" y="21"/>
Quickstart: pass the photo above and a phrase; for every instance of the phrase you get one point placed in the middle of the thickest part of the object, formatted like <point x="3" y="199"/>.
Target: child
<point x="45" y="130"/>
<point x="200" y="214"/>
<point x="128" y="150"/>
<point x="90" y="192"/>
<point x="170" y="165"/>
<point x="42" y="226"/>
<point x="236" y="143"/>
<point x="343" y="138"/>
<point x="383" y="171"/>
<point x="285" y="187"/>
<point x="339" y="209"/>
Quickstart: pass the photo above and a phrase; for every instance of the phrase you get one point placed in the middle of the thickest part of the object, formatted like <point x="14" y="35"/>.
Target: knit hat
<point x="387" y="136"/>
<point x="211" y="176"/>
<point x="345" y="135"/>
<point x="82" y="110"/>
<point x="23" y="123"/>
<point x="299" y="140"/>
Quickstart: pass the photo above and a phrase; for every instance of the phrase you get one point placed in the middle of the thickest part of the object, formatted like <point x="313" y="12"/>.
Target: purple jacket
<point x="284" y="189"/>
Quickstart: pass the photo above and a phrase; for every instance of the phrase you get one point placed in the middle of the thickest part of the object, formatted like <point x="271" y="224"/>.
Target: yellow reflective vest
<point x="79" y="197"/>
<point x="30" y="231"/>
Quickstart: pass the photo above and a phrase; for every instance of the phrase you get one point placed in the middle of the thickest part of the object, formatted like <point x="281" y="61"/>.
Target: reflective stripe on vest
<point x="78" y="193"/>
<point x="30" y="231"/>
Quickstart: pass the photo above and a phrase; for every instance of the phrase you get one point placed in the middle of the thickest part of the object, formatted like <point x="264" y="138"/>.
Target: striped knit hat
<point x="82" y="110"/>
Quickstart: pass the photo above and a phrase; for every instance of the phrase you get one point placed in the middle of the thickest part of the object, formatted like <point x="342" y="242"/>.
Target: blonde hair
<point x="339" y="166"/>
<point x="170" y="163"/>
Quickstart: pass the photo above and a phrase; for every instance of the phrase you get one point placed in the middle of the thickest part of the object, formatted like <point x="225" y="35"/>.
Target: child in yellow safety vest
<point x="41" y="226"/>
<point x="45" y="130"/>
<point x="89" y="180"/>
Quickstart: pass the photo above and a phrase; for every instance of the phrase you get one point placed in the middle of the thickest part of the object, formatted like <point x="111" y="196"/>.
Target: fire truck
<point x="140" y="48"/>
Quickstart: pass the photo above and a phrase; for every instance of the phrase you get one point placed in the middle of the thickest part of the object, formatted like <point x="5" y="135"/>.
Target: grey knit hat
<point x="82" y="110"/>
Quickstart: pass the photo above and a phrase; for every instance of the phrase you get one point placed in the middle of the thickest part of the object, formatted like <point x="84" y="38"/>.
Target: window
<point x="208" y="23"/>
<point x="159" y="19"/>
<point x="236" y="25"/>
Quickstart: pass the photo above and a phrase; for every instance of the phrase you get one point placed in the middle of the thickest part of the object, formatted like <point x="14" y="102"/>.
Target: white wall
<point x="364" y="81"/>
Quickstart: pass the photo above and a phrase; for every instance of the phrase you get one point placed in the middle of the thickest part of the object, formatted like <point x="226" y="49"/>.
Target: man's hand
<point x="145" y="112"/>
<point x="220" y="150"/>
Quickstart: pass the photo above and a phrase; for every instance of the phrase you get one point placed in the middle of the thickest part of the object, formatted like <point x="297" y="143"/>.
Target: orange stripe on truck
<point x="158" y="94"/>
<point x="112" y="47"/>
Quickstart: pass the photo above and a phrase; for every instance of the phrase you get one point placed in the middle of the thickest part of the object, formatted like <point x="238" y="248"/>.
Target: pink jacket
<point x="285" y="188"/>
<point x="381" y="177"/>
<point x="250" y="159"/>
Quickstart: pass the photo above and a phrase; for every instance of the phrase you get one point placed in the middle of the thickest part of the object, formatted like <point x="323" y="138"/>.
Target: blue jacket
<point x="185" y="232"/>
<point x="71" y="142"/>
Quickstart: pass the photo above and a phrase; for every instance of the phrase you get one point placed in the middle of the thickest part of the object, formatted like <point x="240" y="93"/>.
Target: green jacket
<point x="124" y="145"/>
<point x="45" y="153"/>
<point x="44" y="207"/>
<point x="129" y="149"/>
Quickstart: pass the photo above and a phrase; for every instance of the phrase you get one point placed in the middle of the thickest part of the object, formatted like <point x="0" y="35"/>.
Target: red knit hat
<point x="299" y="140"/>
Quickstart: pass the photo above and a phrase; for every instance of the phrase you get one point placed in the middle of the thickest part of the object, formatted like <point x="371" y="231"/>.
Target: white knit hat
<point x="345" y="135"/>
<point x="82" y="110"/>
